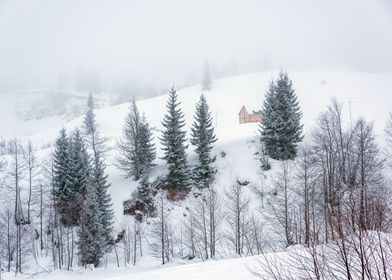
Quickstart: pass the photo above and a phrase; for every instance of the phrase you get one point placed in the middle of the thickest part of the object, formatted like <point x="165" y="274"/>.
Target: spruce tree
<point x="144" y="190"/>
<point x="203" y="138"/>
<point x="137" y="149"/>
<point x="147" y="147"/>
<point x="173" y="141"/>
<point x="62" y="190"/>
<point x="78" y="178"/>
<point x="90" y="231"/>
<point x="98" y="177"/>
<point x="99" y="180"/>
<point x="280" y="126"/>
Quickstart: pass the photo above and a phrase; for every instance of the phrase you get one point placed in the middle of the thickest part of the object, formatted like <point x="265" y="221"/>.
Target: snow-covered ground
<point x="230" y="269"/>
<point x="362" y="94"/>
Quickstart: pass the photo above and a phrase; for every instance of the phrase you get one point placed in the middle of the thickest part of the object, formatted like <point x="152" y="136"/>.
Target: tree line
<point x="137" y="151"/>
<point x="68" y="213"/>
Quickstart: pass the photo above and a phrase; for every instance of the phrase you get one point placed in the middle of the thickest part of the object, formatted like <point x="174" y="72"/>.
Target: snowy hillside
<point x="362" y="94"/>
<point x="370" y="95"/>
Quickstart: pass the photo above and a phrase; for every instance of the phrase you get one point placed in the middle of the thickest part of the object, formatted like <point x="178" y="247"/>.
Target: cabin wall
<point x="254" y="118"/>
<point x="245" y="117"/>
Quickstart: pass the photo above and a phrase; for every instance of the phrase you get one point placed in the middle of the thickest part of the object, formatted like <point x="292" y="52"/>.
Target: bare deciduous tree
<point x="282" y="209"/>
<point x="237" y="215"/>
<point x="31" y="164"/>
<point x="161" y="230"/>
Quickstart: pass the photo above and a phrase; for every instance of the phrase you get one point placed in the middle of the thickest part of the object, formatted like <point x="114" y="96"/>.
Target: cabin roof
<point x="243" y="109"/>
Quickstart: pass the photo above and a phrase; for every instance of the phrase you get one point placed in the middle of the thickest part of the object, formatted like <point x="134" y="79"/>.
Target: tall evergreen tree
<point x="60" y="161"/>
<point x="147" y="147"/>
<point x="203" y="138"/>
<point x="173" y="141"/>
<point x="137" y="149"/>
<point x="99" y="179"/>
<point x="206" y="82"/>
<point x="78" y="178"/>
<point x="281" y="127"/>
<point x="91" y="228"/>
<point x="62" y="190"/>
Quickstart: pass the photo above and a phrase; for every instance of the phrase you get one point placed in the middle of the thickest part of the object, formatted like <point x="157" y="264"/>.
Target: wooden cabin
<point x="245" y="117"/>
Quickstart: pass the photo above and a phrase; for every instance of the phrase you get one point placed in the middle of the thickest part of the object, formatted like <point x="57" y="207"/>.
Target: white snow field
<point x="362" y="94"/>
<point x="230" y="269"/>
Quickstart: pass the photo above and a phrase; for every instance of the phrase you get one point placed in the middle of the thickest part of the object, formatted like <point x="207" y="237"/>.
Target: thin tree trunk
<point x="115" y="250"/>
<point x="41" y="219"/>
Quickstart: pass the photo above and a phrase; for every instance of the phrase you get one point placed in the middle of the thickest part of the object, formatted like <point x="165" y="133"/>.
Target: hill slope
<point x="369" y="95"/>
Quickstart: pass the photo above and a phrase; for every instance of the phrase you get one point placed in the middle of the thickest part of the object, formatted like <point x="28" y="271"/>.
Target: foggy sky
<point x="167" y="41"/>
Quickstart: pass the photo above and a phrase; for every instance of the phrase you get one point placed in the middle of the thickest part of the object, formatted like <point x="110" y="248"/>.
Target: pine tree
<point x="206" y="82"/>
<point x="90" y="230"/>
<point x="173" y="141"/>
<point x="280" y="127"/>
<point x="144" y="190"/>
<point x="99" y="178"/>
<point x="60" y="163"/>
<point x="104" y="199"/>
<point x="78" y="178"/>
<point x="63" y="191"/>
<point x="203" y="138"/>
<point x="137" y="149"/>
<point x="147" y="147"/>
<point x="147" y="152"/>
